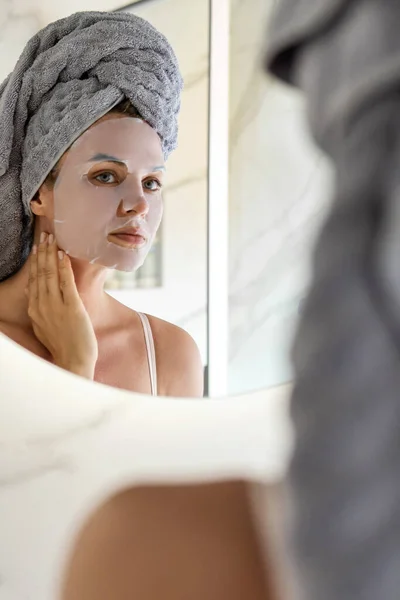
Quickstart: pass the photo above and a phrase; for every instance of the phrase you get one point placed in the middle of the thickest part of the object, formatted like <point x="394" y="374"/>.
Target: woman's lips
<point x="127" y="240"/>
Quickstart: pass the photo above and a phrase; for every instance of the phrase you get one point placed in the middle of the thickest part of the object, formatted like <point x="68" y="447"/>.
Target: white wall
<point x="279" y="187"/>
<point x="21" y="19"/>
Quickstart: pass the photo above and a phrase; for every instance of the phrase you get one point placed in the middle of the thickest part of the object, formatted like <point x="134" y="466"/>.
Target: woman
<point x="101" y="81"/>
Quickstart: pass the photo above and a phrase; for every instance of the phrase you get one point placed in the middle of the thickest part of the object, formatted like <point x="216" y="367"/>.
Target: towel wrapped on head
<point x="69" y="75"/>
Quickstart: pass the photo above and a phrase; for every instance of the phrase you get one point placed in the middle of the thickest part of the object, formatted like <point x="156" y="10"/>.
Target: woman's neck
<point x="89" y="281"/>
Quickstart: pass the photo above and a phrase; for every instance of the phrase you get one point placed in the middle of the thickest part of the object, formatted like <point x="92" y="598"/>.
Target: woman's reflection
<point x="89" y="173"/>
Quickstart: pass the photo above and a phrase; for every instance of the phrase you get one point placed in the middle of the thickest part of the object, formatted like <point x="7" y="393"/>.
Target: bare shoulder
<point x="179" y="367"/>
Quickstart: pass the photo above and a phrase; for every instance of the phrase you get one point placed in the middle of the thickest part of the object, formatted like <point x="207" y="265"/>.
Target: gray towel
<point x="69" y="75"/>
<point x="344" y="477"/>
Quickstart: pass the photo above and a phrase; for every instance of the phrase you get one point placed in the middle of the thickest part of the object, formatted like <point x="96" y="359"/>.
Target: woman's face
<point x="106" y="205"/>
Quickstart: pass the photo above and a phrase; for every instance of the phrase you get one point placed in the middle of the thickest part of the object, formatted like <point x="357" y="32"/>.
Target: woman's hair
<point x="125" y="107"/>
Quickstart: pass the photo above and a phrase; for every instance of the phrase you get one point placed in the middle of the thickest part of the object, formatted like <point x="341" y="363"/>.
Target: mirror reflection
<point x="278" y="189"/>
<point x="103" y="243"/>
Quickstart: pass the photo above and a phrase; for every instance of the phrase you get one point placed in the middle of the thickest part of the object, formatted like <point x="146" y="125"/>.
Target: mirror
<point x="278" y="190"/>
<point x="172" y="283"/>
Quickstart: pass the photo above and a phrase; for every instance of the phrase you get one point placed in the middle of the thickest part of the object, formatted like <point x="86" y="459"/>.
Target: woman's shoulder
<point x="167" y="332"/>
<point x="179" y="366"/>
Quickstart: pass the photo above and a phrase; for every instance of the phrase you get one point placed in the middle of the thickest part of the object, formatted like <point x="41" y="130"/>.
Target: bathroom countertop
<point x="67" y="443"/>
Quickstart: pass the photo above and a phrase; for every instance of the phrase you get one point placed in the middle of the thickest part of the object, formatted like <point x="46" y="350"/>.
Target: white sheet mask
<point x="110" y="182"/>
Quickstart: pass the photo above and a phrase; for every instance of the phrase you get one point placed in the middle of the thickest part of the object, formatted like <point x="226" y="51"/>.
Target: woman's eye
<point x="106" y="177"/>
<point x="152" y="185"/>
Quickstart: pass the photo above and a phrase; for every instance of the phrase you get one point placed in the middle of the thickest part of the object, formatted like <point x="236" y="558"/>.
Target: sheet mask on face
<point x="110" y="181"/>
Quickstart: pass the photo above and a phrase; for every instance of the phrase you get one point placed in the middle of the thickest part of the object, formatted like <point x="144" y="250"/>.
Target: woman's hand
<point x="59" y="318"/>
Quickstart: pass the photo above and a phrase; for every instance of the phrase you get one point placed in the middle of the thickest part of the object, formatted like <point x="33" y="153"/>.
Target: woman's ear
<point x="40" y="201"/>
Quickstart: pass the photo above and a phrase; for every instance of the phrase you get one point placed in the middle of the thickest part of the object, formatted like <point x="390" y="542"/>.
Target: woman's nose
<point x="134" y="203"/>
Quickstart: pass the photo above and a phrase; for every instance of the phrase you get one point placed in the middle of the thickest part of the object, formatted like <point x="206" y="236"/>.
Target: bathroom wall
<point x="279" y="190"/>
<point x="20" y="19"/>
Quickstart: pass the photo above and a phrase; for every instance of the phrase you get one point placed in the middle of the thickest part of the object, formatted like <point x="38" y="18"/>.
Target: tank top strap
<point x="151" y="352"/>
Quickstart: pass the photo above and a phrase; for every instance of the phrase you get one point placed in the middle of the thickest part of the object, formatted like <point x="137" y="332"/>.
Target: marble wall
<point x="279" y="189"/>
<point x="20" y="19"/>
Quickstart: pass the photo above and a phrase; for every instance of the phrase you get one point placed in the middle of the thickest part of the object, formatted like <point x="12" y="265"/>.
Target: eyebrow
<point x="100" y="156"/>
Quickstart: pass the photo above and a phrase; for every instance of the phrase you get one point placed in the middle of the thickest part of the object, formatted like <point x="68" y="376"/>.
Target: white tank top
<point x="151" y="353"/>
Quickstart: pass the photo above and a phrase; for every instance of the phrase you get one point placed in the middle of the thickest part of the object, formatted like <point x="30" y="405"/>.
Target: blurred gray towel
<point x="69" y="75"/>
<point x="344" y="476"/>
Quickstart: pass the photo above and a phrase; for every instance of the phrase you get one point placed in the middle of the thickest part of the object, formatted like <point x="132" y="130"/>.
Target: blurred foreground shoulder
<point x="179" y="366"/>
